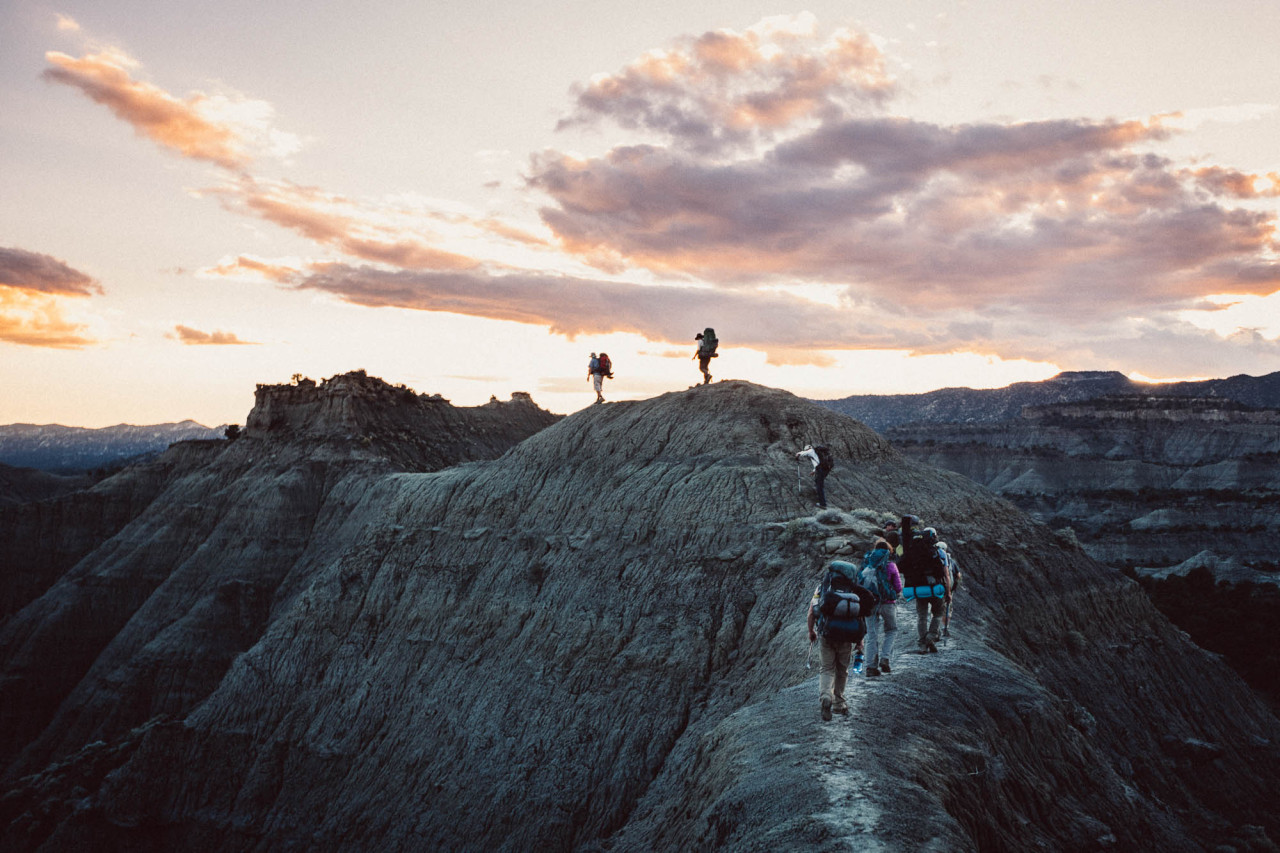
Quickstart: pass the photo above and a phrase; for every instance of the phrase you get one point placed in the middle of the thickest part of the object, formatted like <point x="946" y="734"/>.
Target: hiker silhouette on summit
<point x="707" y="343"/>
<point x="598" y="369"/>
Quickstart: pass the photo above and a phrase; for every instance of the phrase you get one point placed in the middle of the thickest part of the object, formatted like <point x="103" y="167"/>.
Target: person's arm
<point x="810" y="454"/>
<point x="813" y="633"/>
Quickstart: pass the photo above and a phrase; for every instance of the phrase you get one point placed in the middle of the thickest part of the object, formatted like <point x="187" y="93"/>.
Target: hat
<point x="698" y="336"/>
<point x="593" y="355"/>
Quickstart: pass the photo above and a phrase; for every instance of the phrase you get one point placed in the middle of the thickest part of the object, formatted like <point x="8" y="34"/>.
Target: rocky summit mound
<point x="596" y="642"/>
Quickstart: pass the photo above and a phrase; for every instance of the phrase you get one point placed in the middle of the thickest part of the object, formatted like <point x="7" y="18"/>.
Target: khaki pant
<point x="834" y="672"/>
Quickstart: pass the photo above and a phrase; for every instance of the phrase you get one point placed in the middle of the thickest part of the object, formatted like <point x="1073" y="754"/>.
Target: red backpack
<point x="606" y="366"/>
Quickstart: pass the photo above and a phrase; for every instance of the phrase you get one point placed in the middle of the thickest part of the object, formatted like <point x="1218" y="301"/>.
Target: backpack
<point x="606" y="366"/>
<point x="825" y="460"/>
<point x="880" y="575"/>
<point x="709" y="343"/>
<point x="843" y="605"/>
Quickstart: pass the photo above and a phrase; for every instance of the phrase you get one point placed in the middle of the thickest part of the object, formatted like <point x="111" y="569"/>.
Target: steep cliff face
<point x="1150" y="482"/>
<point x="131" y="599"/>
<point x="596" y="642"/>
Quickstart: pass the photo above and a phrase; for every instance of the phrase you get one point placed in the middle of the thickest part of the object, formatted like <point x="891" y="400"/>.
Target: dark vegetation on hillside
<point x="1238" y="621"/>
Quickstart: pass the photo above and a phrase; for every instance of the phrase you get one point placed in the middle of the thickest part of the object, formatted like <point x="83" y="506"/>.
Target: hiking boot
<point x="884" y="666"/>
<point x="930" y="646"/>
<point x="843" y="709"/>
<point x="873" y="671"/>
<point x="826" y="709"/>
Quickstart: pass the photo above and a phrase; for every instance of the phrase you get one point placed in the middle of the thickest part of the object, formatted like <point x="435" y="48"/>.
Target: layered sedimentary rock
<point x="596" y="641"/>
<point x="1152" y="482"/>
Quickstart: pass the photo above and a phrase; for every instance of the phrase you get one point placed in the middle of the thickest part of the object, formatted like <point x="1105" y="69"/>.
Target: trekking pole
<point x="809" y="657"/>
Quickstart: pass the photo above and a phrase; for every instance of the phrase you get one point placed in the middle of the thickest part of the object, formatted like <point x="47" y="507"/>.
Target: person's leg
<point x="922" y="621"/>
<point x="819" y="478"/>
<point x="826" y="676"/>
<point x="935" y="612"/>
<point x="597" y="381"/>
<point x="843" y="652"/>
<point x="889" y="613"/>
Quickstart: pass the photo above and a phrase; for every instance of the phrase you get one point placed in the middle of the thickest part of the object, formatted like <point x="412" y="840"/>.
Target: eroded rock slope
<point x="596" y="642"/>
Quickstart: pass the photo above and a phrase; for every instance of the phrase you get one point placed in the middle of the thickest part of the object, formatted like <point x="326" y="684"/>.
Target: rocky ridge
<point x="63" y="449"/>
<point x="595" y="642"/>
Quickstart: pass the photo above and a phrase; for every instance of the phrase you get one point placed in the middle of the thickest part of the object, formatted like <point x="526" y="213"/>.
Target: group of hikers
<point x="600" y="368"/>
<point x="853" y="612"/>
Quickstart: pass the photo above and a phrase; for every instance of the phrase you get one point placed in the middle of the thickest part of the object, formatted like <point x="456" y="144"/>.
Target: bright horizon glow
<point x="919" y="196"/>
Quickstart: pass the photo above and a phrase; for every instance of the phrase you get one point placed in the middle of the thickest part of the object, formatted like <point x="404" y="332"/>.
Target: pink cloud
<point x="31" y="318"/>
<point x="724" y="89"/>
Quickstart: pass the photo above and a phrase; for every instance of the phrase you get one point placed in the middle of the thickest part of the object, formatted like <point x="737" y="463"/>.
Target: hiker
<point x="922" y="577"/>
<point x="895" y="541"/>
<point x="953" y="570"/>
<point x="880" y="575"/>
<point x="837" y="615"/>
<point x="706" y="351"/>
<point x="823" y="462"/>
<point x="598" y="369"/>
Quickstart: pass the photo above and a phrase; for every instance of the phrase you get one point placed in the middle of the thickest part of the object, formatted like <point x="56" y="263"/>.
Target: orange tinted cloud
<point x="35" y="319"/>
<point x="33" y="271"/>
<point x="195" y="337"/>
<point x="226" y="131"/>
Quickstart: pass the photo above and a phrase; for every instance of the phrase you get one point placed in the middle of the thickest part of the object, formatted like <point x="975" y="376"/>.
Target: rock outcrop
<point x="596" y="642"/>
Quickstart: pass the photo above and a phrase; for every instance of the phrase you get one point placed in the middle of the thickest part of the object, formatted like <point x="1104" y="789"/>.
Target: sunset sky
<point x="469" y="198"/>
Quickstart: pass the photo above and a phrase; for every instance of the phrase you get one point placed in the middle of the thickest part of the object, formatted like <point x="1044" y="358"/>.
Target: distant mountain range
<point x="970" y="405"/>
<point x="67" y="450"/>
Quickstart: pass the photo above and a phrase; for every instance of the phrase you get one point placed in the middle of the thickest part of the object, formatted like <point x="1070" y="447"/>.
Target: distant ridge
<point x="70" y="450"/>
<point x="987" y="405"/>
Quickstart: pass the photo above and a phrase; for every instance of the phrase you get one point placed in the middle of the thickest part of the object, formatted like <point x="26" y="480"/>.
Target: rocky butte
<point x="379" y="622"/>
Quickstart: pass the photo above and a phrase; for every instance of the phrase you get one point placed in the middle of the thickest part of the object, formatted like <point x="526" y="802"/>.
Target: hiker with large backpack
<point x="823" y="462"/>
<point x="707" y="343"/>
<point x="923" y="581"/>
<point x="880" y="575"/>
<point x="838" y="618"/>
<point x="599" y="368"/>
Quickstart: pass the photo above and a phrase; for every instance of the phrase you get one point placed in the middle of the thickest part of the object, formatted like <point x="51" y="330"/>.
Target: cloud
<point x="31" y="318"/>
<point x="33" y="271"/>
<point x="574" y="306"/>
<point x="1051" y="217"/>
<point x="226" y="130"/>
<point x="195" y="337"/>
<point x="725" y="89"/>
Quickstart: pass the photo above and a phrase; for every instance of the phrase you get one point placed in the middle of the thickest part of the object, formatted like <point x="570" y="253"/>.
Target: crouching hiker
<point x="837" y="617"/>
<point x="880" y="575"/>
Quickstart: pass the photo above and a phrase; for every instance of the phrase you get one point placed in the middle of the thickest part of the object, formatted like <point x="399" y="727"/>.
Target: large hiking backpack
<point x="606" y="366"/>
<point x="843" y="604"/>
<point x="928" y="569"/>
<point x="826" y="461"/>
<point x="709" y="343"/>
<point x="876" y="575"/>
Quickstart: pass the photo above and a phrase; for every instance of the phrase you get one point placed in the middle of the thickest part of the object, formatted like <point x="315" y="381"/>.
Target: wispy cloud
<point x="227" y="130"/>
<point x="195" y="337"/>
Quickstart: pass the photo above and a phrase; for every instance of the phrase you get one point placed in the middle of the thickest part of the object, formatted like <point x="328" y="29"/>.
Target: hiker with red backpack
<point x="837" y="621"/>
<point x="599" y="369"/>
